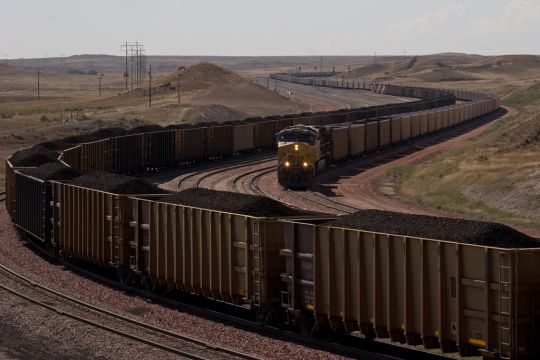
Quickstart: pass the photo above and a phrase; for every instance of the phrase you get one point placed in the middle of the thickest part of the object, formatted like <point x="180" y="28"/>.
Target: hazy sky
<point x="277" y="27"/>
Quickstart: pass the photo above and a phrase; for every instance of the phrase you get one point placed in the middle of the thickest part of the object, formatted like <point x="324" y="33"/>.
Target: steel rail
<point x="265" y="170"/>
<point x="227" y="164"/>
<point x="111" y="314"/>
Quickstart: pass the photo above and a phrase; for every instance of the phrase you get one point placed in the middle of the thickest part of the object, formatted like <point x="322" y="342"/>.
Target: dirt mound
<point x="34" y="156"/>
<point x="217" y="113"/>
<point x="231" y="202"/>
<point x="199" y="76"/>
<point x="443" y="74"/>
<point x="52" y="171"/>
<point x="117" y="184"/>
<point x="439" y="228"/>
<point x="371" y="69"/>
<point x="508" y="63"/>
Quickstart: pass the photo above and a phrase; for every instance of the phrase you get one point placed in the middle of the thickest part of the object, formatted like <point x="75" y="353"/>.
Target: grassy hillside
<point x="494" y="177"/>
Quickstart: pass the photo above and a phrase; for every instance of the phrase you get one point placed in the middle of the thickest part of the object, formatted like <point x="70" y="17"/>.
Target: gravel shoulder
<point x="18" y="257"/>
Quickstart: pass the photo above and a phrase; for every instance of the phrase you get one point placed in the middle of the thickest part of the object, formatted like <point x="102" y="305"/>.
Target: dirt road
<point x="326" y="99"/>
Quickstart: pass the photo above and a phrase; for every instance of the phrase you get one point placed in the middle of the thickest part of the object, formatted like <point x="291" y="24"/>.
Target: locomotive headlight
<point x="305" y="164"/>
<point x="296" y="147"/>
<point x="287" y="164"/>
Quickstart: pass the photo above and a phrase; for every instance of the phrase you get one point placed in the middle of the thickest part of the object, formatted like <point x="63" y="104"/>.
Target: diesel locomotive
<point x="301" y="153"/>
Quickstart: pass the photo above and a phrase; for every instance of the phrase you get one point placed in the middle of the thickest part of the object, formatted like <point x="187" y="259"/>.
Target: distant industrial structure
<point x="135" y="63"/>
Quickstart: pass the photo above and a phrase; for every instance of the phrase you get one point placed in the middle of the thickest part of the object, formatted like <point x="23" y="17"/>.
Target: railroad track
<point x="206" y="172"/>
<point x="106" y="320"/>
<point x="251" y="175"/>
<point x="2" y="195"/>
<point x="325" y="201"/>
<point x="377" y="350"/>
<point x="305" y="196"/>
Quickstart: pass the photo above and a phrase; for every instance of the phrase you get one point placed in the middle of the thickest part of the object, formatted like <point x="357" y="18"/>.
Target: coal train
<point x="301" y="271"/>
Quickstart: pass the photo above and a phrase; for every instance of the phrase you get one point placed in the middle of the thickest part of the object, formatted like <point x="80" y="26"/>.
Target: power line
<point x="150" y="87"/>
<point x="135" y="63"/>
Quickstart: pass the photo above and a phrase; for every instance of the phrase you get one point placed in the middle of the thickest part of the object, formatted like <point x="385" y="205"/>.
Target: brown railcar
<point x="421" y="291"/>
<point x="190" y="145"/>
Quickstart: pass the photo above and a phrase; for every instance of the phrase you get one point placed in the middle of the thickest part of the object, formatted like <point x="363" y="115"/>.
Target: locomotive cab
<point x="298" y="156"/>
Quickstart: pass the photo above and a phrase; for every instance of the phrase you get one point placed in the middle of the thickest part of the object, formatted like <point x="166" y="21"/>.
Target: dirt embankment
<point x="491" y="173"/>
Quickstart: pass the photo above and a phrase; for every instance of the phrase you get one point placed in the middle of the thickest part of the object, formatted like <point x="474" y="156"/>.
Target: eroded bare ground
<point x="370" y="186"/>
<point x="326" y="99"/>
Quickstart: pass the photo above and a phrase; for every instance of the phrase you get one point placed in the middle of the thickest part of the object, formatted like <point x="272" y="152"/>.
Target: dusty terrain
<point x="491" y="173"/>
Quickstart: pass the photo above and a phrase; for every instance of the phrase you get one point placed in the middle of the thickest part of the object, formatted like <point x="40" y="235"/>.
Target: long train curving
<point x="294" y="271"/>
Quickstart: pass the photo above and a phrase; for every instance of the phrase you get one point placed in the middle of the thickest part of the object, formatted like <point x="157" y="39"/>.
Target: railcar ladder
<point x="506" y="313"/>
<point x="257" y="262"/>
<point x="115" y="236"/>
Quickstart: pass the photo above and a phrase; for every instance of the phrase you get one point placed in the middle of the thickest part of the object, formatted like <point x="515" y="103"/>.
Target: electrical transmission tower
<point x="135" y="63"/>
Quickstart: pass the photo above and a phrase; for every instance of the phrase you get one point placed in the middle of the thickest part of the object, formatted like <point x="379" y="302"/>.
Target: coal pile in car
<point x="117" y="184"/>
<point x="34" y="156"/>
<point x="52" y="171"/>
<point x="145" y="129"/>
<point x="96" y="135"/>
<point x="439" y="228"/>
<point x="245" y="204"/>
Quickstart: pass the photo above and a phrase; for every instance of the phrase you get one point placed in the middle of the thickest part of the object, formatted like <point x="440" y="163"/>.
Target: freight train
<point x="299" y="271"/>
<point x="301" y="154"/>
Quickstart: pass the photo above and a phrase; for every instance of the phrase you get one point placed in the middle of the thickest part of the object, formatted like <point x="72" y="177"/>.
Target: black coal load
<point x="117" y="184"/>
<point x="34" y="156"/>
<point x="145" y="129"/>
<point x="245" y="204"/>
<point x="438" y="228"/>
<point x="52" y="171"/>
<point x="56" y="144"/>
<point x="96" y="135"/>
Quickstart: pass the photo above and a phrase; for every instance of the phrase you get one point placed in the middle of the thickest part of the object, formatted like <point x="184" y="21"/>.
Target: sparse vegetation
<point x="495" y="177"/>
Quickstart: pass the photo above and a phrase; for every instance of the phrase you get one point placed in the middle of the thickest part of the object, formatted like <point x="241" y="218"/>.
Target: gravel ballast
<point x="18" y="257"/>
<point x="237" y="203"/>
<point x="117" y="184"/>
<point x="438" y="228"/>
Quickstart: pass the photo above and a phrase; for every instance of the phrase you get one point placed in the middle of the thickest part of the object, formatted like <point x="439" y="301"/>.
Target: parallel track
<point x="181" y="342"/>
<point x="327" y="202"/>
<point x="354" y="351"/>
<point x="210" y="171"/>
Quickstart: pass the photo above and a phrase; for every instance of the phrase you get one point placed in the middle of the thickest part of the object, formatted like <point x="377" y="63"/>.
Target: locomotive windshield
<point x="297" y="137"/>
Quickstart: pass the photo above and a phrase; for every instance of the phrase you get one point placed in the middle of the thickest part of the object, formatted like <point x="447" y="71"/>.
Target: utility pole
<point x="126" y="72"/>
<point x="150" y="87"/>
<point x="321" y="66"/>
<point x="38" y="84"/>
<point x="178" y="87"/>
<point x="100" y="84"/>
<point x="131" y="63"/>
<point x="137" y="61"/>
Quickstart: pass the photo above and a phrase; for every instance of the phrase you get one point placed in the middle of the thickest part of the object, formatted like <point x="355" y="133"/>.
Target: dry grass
<point x="495" y="177"/>
<point x="70" y="103"/>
